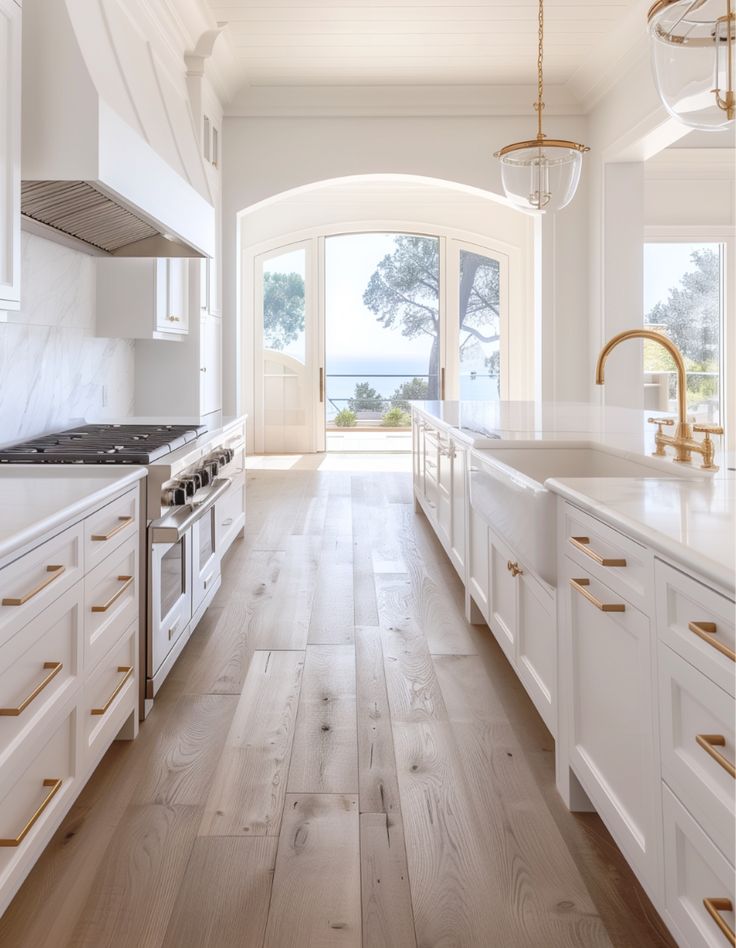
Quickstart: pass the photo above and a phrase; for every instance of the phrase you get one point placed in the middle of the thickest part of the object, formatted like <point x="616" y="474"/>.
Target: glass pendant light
<point x="693" y="56"/>
<point x="541" y="174"/>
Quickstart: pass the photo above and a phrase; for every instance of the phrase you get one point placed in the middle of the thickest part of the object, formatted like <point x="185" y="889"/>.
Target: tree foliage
<point x="283" y="309"/>
<point x="415" y="390"/>
<point x="404" y="292"/>
<point x="691" y="314"/>
<point x="365" y="398"/>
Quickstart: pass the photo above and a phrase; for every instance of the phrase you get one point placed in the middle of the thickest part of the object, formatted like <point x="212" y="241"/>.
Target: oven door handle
<point x="172" y="528"/>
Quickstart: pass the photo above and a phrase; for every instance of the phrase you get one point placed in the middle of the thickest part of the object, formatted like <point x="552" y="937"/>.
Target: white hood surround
<point x="110" y="151"/>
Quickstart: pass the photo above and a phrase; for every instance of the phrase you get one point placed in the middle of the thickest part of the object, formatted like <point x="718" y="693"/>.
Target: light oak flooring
<point x="337" y="759"/>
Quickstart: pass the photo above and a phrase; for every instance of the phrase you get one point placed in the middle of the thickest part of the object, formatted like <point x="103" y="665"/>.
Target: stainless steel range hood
<point x="110" y="155"/>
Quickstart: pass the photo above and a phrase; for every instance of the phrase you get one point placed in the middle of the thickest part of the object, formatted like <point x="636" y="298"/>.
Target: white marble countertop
<point x="35" y="499"/>
<point x="691" y="520"/>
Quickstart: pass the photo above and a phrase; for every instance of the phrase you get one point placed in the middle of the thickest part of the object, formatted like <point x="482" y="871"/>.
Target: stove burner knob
<point x="204" y="476"/>
<point x="189" y="486"/>
<point x="175" y="497"/>
<point x="214" y="466"/>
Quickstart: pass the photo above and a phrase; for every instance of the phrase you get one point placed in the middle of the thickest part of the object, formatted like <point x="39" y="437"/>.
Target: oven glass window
<point x="172" y="577"/>
<point x="206" y="537"/>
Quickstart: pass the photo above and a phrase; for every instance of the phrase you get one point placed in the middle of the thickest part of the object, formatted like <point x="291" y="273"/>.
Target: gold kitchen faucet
<point x="682" y="440"/>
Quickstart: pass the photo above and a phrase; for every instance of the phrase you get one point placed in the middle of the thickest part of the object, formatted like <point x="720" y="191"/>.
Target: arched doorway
<point x="348" y="319"/>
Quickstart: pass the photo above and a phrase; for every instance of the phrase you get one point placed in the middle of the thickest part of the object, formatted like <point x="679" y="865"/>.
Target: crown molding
<point x="396" y="101"/>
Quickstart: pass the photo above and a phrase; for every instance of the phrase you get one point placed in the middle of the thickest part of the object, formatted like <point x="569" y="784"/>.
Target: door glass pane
<point x="172" y="577"/>
<point x="283" y="304"/>
<point x="683" y="299"/>
<point x="480" y="326"/>
<point x="382" y="329"/>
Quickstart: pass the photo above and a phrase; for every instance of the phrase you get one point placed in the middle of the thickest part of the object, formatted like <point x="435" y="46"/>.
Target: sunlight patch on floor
<point x="330" y="462"/>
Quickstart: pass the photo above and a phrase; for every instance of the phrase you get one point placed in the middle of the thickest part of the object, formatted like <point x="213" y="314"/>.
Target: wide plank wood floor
<point x="337" y="759"/>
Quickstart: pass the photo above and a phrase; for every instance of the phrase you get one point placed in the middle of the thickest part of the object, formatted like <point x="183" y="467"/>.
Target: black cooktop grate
<point x="103" y="444"/>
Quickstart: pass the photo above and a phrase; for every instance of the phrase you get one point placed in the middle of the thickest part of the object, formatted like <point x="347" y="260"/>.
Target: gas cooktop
<point x="103" y="444"/>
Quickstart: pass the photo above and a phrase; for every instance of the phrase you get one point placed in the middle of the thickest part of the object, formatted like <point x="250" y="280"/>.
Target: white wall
<point x="263" y="157"/>
<point x="53" y="371"/>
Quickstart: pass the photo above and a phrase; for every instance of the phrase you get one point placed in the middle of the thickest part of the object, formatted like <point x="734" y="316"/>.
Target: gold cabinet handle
<point x="54" y="571"/>
<point x="582" y="544"/>
<point x="54" y="784"/>
<point x="514" y="568"/>
<point x="709" y="742"/>
<point x="55" y="668"/>
<point x="714" y="907"/>
<point x="173" y="319"/>
<point x="126" y="581"/>
<point x="706" y="631"/>
<point x="580" y="585"/>
<point x="126" y="671"/>
<point x="122" y="524"/>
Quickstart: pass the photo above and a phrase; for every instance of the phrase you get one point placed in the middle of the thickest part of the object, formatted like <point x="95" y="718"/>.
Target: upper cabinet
<point x="10" y="54"/>
<point x="139" y="298"/>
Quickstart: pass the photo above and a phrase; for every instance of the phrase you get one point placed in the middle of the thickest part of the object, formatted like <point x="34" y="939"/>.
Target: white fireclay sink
<point x="507" y="490"/>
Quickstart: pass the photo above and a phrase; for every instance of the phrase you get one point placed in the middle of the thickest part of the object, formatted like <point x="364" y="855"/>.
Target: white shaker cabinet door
<point x="611" y="715"/>
<point x="10" y="81"/>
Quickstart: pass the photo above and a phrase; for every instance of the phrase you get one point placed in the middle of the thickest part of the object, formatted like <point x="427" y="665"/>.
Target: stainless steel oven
<point x="184" y="572"/>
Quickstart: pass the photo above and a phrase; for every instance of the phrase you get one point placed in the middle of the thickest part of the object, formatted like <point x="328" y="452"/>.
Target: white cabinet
<point x="10" y="91"/>
<point x="139" y="298"/>
<point x="69" y="612"/>
<point x="210" y="348"/>
<point x="611" y="713"/>
<point x="439" y="462"/>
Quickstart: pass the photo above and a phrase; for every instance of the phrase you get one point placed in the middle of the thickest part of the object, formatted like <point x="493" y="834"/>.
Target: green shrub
<point x="396" y="418"/>
<point x="346" y="418"/>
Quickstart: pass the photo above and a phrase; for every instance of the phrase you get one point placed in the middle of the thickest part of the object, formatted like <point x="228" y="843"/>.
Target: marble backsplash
<point x="53" y="370"/>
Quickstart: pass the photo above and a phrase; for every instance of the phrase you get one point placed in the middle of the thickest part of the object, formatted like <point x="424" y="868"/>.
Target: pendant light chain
<point x="540" y="74"/>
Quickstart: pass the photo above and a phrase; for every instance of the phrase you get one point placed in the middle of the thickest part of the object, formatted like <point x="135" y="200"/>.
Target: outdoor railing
<point x="371" y="409"/>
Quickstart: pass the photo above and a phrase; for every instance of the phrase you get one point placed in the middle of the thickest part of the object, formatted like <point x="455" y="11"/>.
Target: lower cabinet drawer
<point x="39" y="668"/>
<point x="699" y="881"/>
<point x="698" y="623"/>
<point x="111" y="601"/>
<point x="697" y="741"/>
<point x="34" y="789"/>
<point x="110" y="695"/>
<point x="106" y="529"/>
<point x="30" y="584"/>
<point x="231" y="514"/>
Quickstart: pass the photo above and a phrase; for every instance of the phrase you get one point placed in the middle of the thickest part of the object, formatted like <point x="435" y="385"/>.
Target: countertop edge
<point x="677" y="553"/>
<point x="69" y="513"/>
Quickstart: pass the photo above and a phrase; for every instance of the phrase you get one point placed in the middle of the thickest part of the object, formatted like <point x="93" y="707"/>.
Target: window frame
<point x="723" y="235"/>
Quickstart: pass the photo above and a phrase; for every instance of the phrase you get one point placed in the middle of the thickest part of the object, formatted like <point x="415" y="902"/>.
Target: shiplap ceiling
<point x="412" y="42"/>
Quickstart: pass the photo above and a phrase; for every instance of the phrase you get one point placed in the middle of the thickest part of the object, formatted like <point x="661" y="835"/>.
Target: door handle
<point x="442" y="383"/>
<point x="321" y="384"/>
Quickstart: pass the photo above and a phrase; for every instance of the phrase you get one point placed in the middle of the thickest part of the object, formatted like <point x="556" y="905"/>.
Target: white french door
<point x="288" y="369"/>
<point x="475" y="354"/>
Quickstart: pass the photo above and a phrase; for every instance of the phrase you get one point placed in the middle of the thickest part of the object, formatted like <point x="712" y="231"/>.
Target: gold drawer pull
<point x="54" y="571"/>
<point x="126" y="581"/>
<point x="581" y="543"/>
<point x="54" y="784"/>
<point x="514" y="569"/>
<point x="122" y="524"/>
<point x="14" y="712"/>
<point x="706" y="631"/>
<point x="709" y="742"/>
<point x="579" y="585"/>
<point x="714" y="907"/>
<point x="128" y="670"/>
